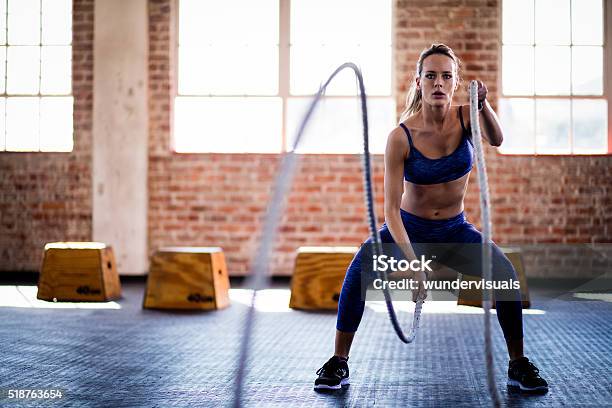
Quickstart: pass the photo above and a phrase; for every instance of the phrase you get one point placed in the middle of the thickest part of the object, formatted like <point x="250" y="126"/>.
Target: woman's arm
<point x="489" y="123"/>
<point x="490" y="128"/>
<point x="395" y="154"/>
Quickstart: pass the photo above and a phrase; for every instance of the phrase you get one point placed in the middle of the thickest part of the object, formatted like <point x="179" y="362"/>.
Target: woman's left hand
<point x="482" y="91"/>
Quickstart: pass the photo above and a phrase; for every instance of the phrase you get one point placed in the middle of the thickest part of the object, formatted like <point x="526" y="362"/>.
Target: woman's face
<point x="438" y="80"/>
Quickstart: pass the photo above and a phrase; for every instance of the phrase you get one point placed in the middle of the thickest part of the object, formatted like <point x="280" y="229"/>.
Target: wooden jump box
<point x="187" y="278"/>
<point x="473" y="297"/>
<point x="78" y="271"/>
<point x="318" y="276"/>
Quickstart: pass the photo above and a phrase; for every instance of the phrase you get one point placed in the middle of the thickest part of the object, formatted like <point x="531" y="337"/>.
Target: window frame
<point x="284" y="78"/>
<point x="607" y="81"/>
<point x="5" y="95"/>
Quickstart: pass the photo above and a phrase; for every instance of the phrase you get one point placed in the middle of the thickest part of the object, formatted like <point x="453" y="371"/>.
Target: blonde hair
<point x="414" y="97"/>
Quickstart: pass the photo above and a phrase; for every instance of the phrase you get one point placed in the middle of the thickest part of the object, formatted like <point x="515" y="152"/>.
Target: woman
<point x="428" y="159"/>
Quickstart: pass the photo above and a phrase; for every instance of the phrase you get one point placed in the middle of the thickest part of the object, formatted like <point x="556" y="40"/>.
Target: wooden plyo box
<point x="78" y="271"/>
<point x="474" y="297"/>
<point x="318" y="277"/>
<point x="187" y="278"/>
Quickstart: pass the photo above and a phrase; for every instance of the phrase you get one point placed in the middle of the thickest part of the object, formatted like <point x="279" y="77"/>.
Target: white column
<point x="120" y="131"/>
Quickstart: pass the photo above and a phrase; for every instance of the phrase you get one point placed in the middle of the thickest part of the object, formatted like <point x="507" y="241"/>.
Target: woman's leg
<point x="521" y="372"/>
<point x="342" y="345"/>
<point x="351" y="303"/>
<point x="507" y="301"/>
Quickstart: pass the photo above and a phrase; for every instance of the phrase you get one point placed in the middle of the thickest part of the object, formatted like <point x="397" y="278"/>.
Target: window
<point x="35" y="77"/>
<point x="247" y="71"/>
<point x="554" y="97"/>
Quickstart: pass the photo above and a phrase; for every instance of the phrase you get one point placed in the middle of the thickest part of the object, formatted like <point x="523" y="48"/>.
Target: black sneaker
<point x="333" y="375"/>
<point x="524" y="375"/>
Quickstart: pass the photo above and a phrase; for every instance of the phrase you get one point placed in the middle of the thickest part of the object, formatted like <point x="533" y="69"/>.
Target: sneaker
<point x="333" y="375"/>
<point x="524" y="375"/>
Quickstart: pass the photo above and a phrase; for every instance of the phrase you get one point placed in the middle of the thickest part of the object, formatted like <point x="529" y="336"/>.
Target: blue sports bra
<point x="419" y="169"/>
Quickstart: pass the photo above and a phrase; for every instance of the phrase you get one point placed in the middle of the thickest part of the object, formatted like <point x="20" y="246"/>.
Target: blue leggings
<point x="420" y="230"/>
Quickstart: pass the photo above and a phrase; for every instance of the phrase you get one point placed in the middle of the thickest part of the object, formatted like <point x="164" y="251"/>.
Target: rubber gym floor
<point x="118" y="355"/>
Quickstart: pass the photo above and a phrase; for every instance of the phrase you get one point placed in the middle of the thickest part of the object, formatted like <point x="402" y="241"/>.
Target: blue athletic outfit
<point x="419" y="169"/>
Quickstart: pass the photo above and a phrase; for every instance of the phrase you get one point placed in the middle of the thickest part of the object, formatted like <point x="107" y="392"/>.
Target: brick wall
<point x="47" y="196"/>
<point x="552" y="199"/>
<point x="219" y="199"/>
<point x="216" y="199"/>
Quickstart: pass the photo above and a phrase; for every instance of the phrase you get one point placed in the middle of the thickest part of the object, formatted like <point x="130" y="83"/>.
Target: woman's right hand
<point x="419" y="292"/>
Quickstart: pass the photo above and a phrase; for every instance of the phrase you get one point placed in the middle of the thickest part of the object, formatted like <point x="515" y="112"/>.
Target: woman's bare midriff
<point x="435" y="201"/>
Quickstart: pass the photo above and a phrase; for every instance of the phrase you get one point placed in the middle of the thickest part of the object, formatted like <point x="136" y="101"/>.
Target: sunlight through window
<point x="35" y="75"/>
<point x="552" y="77"/>
<point x="243" y="86"/>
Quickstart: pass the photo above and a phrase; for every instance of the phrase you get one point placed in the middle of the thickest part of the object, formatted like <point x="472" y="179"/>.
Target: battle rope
<point x="486" y="241"/>
<point x="258" y="276"/>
